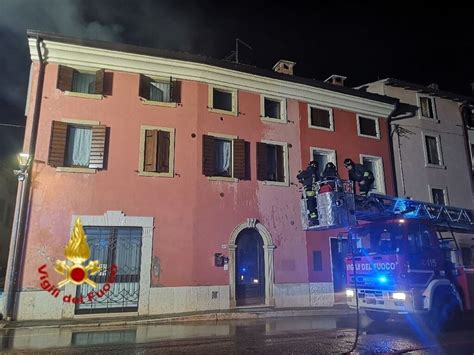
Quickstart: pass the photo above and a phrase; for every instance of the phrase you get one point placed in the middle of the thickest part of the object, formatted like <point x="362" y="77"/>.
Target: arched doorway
<point x="249" y="268"/>
<point x="268" y="248"/>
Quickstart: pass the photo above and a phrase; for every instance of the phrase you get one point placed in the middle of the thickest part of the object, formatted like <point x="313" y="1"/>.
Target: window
<point x="77" y="145"/>
<point x="419" y="239"/>
<point x="323" y="156"/>
<point x="320" y="117"/>
<point x="273" y="108"/>
<point x="368" y="127"/>
<point x="156" y="151"/>
<point x="375" y="165"/>
<point x="156" y="91"/>
<point x="272" y="162"/>
<point x="72" y="80"/>
<point x="427" y="109"/>
<point x="433" y="150"/>
<point x="438" y="196"/>
<point x="224" y="156"/>
<point x="223" y="100"/>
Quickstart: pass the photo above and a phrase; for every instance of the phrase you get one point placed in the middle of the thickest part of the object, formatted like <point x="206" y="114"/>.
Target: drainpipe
<point x="15" y="256"/>
<point x="394" y="116"/>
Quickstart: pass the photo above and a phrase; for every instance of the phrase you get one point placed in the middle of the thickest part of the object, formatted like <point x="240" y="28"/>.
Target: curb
<point x="204" y="317"/>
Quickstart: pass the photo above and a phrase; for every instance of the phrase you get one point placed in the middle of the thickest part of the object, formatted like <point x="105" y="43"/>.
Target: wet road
<point x="317" y="334"/>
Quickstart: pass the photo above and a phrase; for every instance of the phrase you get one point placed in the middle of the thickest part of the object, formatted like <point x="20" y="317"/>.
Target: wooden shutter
<point x="99" y="81"/>
<point x="96" y="159"/>
<point x="208" y="163"/>
<point x="57" y="144"/>
<point x="175" y="91"/>
<point x="144" y="90"/>
<point x="65" y="75"/>
<point x="151" y="147"/>
<point x="163" y="152"/>
<point x="279" y="163"/>
<point x="261" y="161"/>
<point x="239" y="159"/>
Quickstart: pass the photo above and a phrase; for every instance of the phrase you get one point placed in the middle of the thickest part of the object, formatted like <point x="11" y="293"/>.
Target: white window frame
<point x="433" y="103"/>
<point x="70" y="169"/>
<point x="445" y="193"/>
<point x="231" y="178"/>
<point x="331" y="120"/>
<point x="379" y="175"/>
<point x="162" y="80"/>
<point x="141" y="157"/>
<point x="377" y="127"/>
<point x="438" y="147"/>
<point x="331" y="153"/>
<point x="283" y="112"/>
<point x="83" y="94"/>
<point x="286" y="169"/>
<point x="231" y="91"/>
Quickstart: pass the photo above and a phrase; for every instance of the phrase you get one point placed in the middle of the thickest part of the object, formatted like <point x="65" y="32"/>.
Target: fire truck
<point x="405" y="257"/>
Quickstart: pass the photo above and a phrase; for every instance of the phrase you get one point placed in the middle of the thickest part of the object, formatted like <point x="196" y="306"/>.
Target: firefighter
<point x="359" y="173"/>
<point x="308" y="179"/>
<point x="331" y="178"/>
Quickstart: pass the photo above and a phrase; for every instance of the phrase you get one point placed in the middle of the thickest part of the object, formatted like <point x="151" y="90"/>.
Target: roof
<point x="424" y="89"/>
<point x="209" y="61"/>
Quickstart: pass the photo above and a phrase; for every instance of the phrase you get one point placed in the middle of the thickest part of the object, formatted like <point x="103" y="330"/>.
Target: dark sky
<point x="413" y="41"/>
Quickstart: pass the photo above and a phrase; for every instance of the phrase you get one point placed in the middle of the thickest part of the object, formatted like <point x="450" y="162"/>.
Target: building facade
<point x="433" y="150"/>
<point x="183" y="170"/>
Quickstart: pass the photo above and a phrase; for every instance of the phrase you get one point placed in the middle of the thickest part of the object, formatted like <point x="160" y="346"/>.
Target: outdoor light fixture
<point x="350" y="293"/>
<point x="24" y="161"/>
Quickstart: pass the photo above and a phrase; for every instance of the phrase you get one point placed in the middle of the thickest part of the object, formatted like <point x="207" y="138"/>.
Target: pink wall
<point x="192" y="220"/>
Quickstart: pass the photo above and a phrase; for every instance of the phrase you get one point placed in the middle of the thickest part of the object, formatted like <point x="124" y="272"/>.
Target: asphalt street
<point x="291" y="335"/>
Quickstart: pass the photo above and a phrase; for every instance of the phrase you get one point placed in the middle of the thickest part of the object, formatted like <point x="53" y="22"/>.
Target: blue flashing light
<point x="382" y="279"/>
<point x="244" y="269"/>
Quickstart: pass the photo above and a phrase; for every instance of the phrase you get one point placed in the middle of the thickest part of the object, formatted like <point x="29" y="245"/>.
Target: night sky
<point x="366" y="42"/>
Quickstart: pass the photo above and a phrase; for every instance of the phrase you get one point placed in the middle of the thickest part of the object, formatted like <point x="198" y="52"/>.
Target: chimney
<point x="434" y="86"/>
<point x="336" y="80"/>
<point x="284" y="67"/>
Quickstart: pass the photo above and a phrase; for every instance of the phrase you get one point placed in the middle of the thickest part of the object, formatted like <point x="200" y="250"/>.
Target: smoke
<point x="61" y="16"/>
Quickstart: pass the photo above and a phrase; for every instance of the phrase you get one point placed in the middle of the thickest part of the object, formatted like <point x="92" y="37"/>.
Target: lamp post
<point x="13" y="267"/>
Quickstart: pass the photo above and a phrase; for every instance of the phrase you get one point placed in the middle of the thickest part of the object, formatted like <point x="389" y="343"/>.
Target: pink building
<point x="171" y="159"/>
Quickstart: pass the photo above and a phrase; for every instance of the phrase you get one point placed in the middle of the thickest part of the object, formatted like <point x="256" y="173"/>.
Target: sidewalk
<point x="239" y="313"/>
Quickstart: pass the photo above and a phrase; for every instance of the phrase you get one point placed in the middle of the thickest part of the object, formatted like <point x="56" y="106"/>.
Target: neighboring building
<point x="433" y="151"/>
<point x="170" y="159"/>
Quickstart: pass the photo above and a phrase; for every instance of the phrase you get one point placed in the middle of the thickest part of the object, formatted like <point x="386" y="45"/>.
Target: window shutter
<point x="151" y="147"/>
<point x="144" y="87"/>
<point x="57" y="144"/>
<point x="175" y="91"/>
<point x="280" y="163"/>
<point x="99" y="81"/>
<point x="208" y="162"/>
<point x="239" y="159"/>
<point x="163" y="152"/>
<point x="65" y="75"/>
<point x="261" y="161"/>
<point x="96" y="160"/>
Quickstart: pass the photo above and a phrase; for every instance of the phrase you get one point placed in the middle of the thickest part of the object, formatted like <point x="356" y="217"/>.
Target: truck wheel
<point x="378" y="316"/>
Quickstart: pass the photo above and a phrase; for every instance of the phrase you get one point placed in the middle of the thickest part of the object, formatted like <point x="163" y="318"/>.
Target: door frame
<point x="268" y="250"/>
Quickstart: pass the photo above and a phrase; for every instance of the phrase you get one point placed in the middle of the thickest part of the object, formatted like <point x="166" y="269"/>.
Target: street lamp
<point x="24" y="161"/>
<point x="16" y="242"/>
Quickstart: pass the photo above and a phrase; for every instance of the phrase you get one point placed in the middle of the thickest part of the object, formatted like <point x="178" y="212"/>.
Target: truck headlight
<point x="399" y="296"/>
<point x="350" y="293"/>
